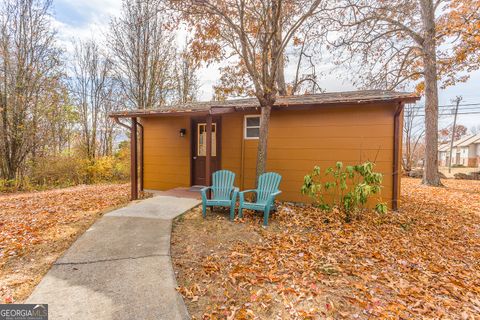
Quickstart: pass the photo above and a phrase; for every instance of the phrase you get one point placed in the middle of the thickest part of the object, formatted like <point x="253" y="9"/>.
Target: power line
<point x="447" y="105"/>
<point x="469" y="106"/>
<point x="441" y="114"/>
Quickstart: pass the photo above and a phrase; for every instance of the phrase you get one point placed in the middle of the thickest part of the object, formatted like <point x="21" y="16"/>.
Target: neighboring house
<point x="305" y="131"/>
<point x="465" y="152"/>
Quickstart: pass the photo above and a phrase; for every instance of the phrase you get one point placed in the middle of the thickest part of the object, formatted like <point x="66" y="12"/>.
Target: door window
<point x="202" y="140"/>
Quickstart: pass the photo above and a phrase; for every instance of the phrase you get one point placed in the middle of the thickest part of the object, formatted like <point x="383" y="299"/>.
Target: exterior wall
<point x="298" y="140"/>
<point x="301" y="139"/>
<point x="166" y="154"/>
<point x="472" y="155"/>
<point x="443" y="158"/>
<point x="463" y="156"/>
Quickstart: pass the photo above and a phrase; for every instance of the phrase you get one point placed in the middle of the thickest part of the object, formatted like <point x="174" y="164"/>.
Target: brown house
<point x="305" y="131"/>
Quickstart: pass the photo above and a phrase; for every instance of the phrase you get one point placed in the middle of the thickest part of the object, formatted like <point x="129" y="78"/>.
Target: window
<point x="252" y="127"/>
<point x="202" y="140"/>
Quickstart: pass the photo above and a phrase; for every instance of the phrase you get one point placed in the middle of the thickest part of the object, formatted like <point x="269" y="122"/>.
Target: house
<point x="465" y="152"/>
<point x="307" y="130"/>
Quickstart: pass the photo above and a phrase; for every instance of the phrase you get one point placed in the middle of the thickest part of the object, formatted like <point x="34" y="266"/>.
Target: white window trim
<point x="252" y="127"/>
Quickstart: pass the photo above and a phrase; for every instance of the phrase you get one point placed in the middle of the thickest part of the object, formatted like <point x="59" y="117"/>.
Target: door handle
<point x="194" y="158"/>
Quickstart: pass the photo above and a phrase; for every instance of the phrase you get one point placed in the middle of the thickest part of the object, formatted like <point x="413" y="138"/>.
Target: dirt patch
<point x="196" y="239"/>
<point x="422" y="262"/>
<point x="37" y="227"/>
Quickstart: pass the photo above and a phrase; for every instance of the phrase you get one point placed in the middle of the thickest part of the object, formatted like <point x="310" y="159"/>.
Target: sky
<point x="87" y="19"/>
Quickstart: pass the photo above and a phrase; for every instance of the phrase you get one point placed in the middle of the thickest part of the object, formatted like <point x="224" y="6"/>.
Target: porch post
<point x="208" y="158"/>
<point x="141" y="156"/>
<point x="133" y="160"/>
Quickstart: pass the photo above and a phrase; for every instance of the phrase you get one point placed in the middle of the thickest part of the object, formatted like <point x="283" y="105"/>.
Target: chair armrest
<point x="242" y="194"/>
<point x="234" y="193"/>
<point x="272" y="196"/>
<point x="247" y="191"/>
<point x="203" y="191"/>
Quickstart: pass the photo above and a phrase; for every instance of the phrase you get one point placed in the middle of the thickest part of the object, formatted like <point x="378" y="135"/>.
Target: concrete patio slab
<point x="120" y="268"/>
<point x="120" y="238"/>
<point x="149" y="208"/>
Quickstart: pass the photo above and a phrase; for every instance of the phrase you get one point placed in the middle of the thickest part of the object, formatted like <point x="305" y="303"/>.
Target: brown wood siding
<point x="299" y="140"/>
<point x="167" y="155"/>
<point x="232" y="139"/>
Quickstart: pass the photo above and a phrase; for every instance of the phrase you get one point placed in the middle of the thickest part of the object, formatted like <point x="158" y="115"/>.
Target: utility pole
<point x="459" y="98"/>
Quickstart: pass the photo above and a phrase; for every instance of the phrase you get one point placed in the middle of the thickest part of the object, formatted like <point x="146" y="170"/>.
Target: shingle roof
<point x="471" y="139"/>
<point x="348" y="97"/>
<point x="462" y="142"/>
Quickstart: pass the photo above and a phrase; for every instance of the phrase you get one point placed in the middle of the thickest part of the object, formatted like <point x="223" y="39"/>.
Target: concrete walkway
<point x="120" y="268"/>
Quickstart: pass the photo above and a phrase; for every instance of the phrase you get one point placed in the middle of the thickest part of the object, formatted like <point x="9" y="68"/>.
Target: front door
<point x="199" y="149"/>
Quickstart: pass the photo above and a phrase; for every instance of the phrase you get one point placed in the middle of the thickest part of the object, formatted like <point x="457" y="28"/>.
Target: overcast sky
<point x="89" y="19"/>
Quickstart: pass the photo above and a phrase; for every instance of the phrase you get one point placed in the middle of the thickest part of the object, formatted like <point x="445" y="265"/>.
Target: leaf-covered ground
<point x="422" y="262"/>
<point x="36" y="228"/>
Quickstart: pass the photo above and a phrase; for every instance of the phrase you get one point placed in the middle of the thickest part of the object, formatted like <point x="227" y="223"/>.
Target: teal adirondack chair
<point x="223" y="194"/>
<point x="266" y="192"/>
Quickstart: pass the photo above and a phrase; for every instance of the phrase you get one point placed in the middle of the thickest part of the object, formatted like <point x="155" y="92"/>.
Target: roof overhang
<point x="282" y="103"/>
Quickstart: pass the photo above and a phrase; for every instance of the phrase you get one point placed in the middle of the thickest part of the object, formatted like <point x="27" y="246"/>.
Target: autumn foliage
<point x="35" y="229"/>
<point x="419" y="263"/>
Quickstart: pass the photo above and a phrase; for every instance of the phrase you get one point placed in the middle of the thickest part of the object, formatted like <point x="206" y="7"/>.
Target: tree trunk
<point x="282" y="87"/>
<point x="263" y="138"/>
<point x="430" y="174"/>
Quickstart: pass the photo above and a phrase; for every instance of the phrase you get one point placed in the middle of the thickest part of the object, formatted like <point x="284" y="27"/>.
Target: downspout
<point x="133" y="160"/>
<point x="396" y="155"/>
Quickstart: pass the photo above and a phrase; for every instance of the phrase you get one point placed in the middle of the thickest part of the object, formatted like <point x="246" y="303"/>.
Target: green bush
<point x="348" y="188"/>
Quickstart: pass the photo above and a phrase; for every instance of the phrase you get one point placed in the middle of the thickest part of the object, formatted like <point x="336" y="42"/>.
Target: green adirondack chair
<point x="223" y="193"/>
<point x="266" y="192"/>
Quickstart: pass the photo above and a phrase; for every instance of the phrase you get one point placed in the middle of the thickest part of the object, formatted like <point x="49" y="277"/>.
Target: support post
<point x="141" y="156"/>
<point x="133" y="160"/>
<point x="208" y="158"/>
<point x="396" y="155"/>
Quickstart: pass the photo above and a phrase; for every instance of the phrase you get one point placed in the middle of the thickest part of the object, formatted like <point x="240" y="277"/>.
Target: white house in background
<point x="465" y="151"/>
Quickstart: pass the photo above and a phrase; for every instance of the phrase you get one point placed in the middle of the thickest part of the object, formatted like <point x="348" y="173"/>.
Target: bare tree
<point x="257" y="32"/>
<point x="413" y="133"/>
<point x="29" y="72"/>
<point x="475" y="129"/>
<point x="92" y="88"/>
<point x="142" y="45"/>
<point x="390" y="44"/>
<point x="185" y="77"/>
<point x="306" y="51"/>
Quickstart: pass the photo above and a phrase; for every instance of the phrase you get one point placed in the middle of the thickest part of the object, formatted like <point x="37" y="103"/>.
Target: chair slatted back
<point x="268" y="183"/>
<point x="222" y="184"/>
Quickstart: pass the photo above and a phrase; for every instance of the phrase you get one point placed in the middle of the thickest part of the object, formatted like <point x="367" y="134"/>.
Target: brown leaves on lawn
<point x="422" y="262"/>
<point x="36" y="227"/>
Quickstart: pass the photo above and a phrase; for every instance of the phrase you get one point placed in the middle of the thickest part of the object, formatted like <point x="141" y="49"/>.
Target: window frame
<point x="250" y="127"/>
<point x="214" y="143"/>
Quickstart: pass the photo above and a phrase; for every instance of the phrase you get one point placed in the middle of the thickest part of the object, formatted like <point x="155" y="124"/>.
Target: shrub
<point x="67" y="170"/>
<point x="105" y="169"/>
<point x="348" y="188"/>
<point x="56" y="171"/>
